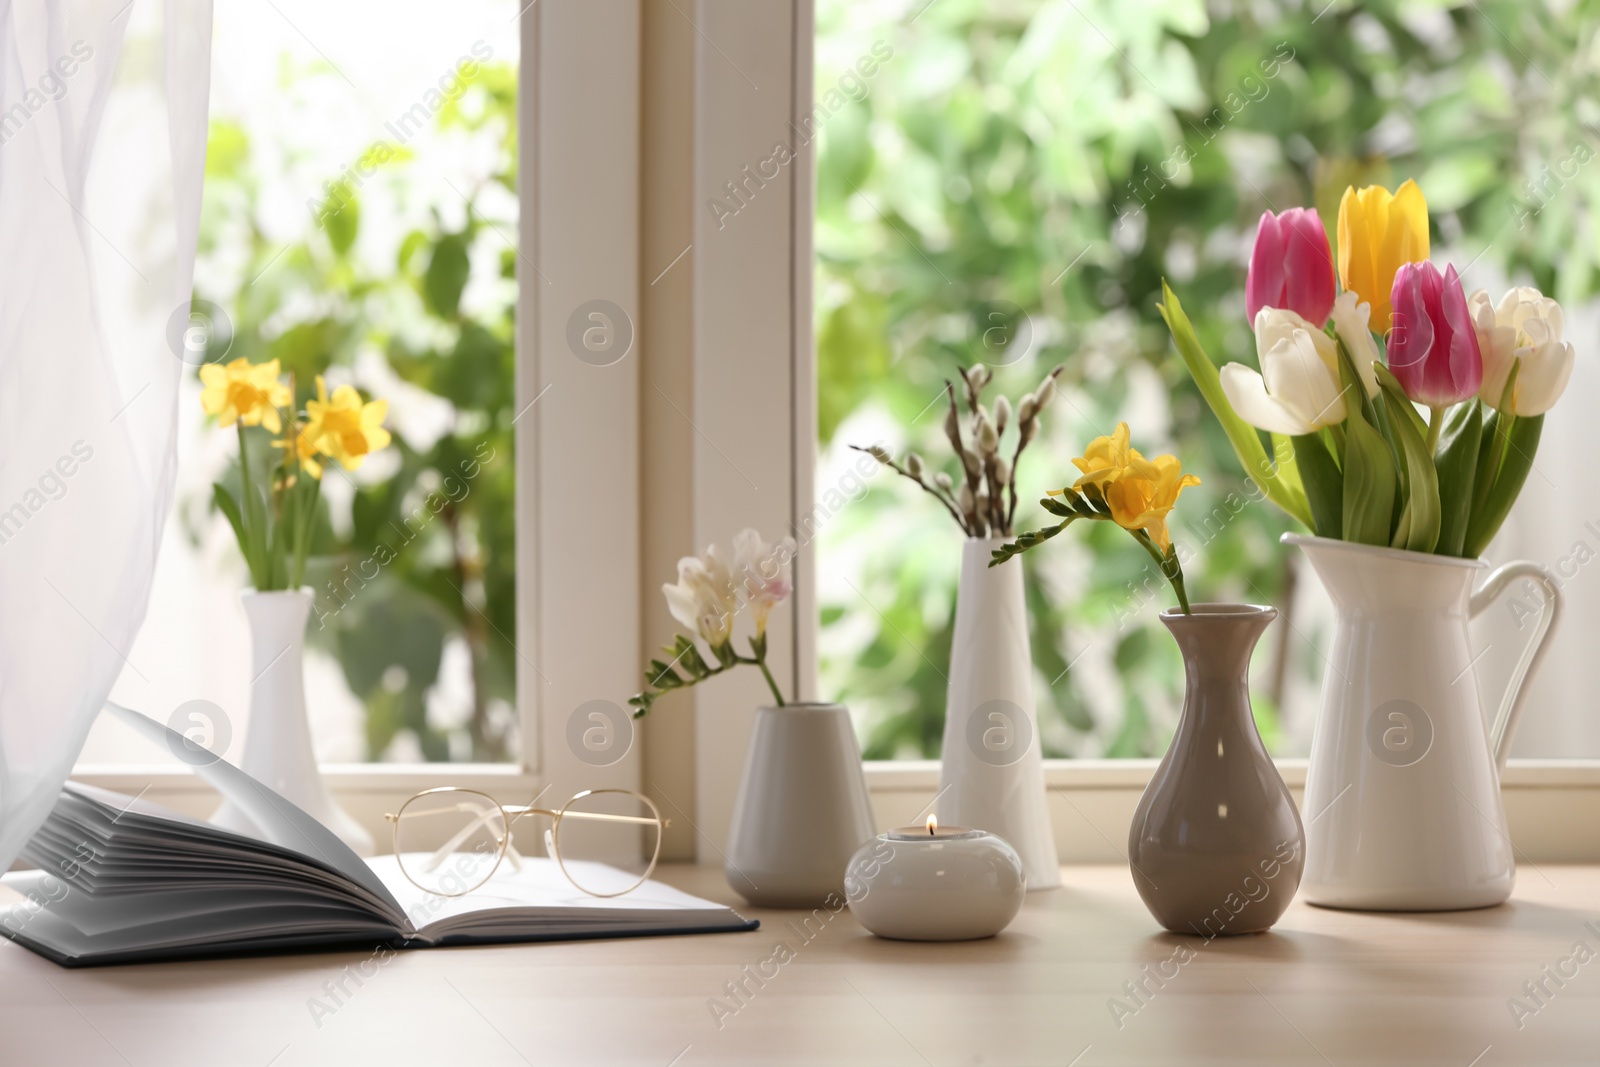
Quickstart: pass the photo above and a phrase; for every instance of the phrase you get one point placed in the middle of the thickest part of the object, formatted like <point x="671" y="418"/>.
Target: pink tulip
<point x="1433" y="348"/>
<point x="1291" y="267"/>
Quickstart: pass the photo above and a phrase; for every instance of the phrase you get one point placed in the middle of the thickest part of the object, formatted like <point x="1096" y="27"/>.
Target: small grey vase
<point x="802" y="810"/>
<point x="1216" y="844"/>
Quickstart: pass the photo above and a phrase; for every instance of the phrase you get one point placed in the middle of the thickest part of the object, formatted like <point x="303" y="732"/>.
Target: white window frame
<point x="755" y="273"/>
<point x="577" y="443"/>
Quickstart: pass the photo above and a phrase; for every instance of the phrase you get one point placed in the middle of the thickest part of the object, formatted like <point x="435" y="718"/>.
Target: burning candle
<point x="935" y="883"/>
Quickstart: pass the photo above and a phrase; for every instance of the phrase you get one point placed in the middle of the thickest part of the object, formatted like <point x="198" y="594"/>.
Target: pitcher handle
<point x="1510" y="710"/>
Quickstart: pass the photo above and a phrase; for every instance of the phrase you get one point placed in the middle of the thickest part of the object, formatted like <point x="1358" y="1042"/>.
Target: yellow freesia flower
<point x="1106" y="458"/>
<point x="244" y="392"/>
<point x="345" y="428"/>
<point x="1379" y="231"/>
<point x="1140" y="502"/>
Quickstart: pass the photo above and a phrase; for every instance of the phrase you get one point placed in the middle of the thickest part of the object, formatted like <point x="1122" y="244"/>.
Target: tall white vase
<point x="277" y="747"/>
<point x="991" y="774"/>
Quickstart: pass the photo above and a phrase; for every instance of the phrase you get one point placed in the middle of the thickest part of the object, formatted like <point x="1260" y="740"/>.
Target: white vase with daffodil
<point x="273" y="510"/>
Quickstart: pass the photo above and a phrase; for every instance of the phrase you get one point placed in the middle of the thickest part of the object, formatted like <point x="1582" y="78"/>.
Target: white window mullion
<point x="579" y="383"/>
<point x="750" y="319"/>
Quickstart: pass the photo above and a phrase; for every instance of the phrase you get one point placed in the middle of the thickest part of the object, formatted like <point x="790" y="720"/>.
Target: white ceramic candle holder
<point x="933" y="883"/>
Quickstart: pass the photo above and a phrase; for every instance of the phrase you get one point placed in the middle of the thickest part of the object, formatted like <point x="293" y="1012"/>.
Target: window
<point x="552" y="228"/>
<point x="898" y="166"/>
<point x="1053" y="161"/>
<point x="359" y="221"/>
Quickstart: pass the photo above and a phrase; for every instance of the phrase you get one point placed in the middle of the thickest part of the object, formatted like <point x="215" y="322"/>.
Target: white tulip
<point x="704" y="599"/>
<point x="1525" y="326"/>
<point x="1351" y="319"/>
<point x="764" y="573"/>
<point x="1297" y="389"/>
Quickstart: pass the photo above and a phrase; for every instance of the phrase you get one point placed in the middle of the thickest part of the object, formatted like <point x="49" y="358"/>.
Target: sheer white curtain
<point x="102" y="154"/>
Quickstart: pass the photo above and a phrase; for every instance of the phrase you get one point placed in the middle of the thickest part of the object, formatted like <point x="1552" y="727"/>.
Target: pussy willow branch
<point x="975" y="525"/>
<point x="985" y="503"/>
<point x="884" y="458"/>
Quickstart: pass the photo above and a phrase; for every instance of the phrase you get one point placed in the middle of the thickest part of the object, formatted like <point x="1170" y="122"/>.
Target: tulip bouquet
<point x="1118" y="485"/>
<point x="1417" y="438"/>
<point x="710" y="591"/>
<point x="986" y="503"/>
<point x="273" y="522"/>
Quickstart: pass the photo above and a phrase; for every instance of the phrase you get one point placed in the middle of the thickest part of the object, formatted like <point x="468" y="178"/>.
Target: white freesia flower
<point x="704" y="599"/>
<point x="1526" y="326"/>
<point x="1297" y="389"/>
<point x="1351" y="319"/>
<point x="763" y="571"/>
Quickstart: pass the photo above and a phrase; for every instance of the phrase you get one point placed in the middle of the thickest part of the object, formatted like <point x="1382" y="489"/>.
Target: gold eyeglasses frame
<point x="509" y="814"/>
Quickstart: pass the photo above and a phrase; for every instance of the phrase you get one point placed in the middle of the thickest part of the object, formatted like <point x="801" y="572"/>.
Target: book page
<point x="540" y="887"/>
<point x="282" y="823"/>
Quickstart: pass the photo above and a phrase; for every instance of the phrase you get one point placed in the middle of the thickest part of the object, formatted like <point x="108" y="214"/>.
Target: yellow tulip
<point x="1138" y="502"/>
<point x="244" y="392"/>
<point x="1379" y="231"/>
<point x="345" y="428"/>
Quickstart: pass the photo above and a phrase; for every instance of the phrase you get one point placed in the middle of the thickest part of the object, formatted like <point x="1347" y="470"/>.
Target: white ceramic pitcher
<point x="1402" y="804"/>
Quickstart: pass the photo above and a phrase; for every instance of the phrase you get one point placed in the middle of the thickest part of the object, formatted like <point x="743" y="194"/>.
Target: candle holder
<point x="935" y="883"/>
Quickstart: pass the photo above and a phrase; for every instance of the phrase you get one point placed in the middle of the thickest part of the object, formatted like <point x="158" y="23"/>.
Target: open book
<point x="123" y="880"/>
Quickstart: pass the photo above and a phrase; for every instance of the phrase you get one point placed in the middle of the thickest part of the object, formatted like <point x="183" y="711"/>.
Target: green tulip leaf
<point x="1369" y="483"/>
<point x="1399" y="402"/>
<point x="1457" y="464"/>
<point x="1324" y="485"/>
<point x="1521" y="443"/>
<point x="1496" y="435"/>
<point x="1246" y="440"/>
<point x="1419" y="526"/>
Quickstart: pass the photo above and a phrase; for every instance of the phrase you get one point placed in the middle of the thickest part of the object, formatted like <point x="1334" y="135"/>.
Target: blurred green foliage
<point x="1064" y="156"/>
<point x="418" y="550"/>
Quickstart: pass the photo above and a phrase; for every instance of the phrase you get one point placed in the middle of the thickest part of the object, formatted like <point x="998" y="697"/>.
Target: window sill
<point x="1090" y="774"/>
<point x="1552" y="806"/>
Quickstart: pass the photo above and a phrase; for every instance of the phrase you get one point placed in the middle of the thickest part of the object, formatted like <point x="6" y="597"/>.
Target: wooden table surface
<point x="1325" y="987"/>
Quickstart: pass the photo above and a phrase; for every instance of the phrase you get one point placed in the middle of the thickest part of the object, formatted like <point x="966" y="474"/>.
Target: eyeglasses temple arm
<point x="639" y="819"/>
<point x="461" y="835"/>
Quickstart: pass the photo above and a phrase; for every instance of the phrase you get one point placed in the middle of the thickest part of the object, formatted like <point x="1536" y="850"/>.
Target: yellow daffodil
<point x="1379" y="231"/>
<point x="344" y="427"/>
<point x="244" y="392"/>
<point x="305" y="450"/>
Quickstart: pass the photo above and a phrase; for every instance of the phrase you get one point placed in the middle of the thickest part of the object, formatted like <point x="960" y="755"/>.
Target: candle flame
<point x="933" y="824"/>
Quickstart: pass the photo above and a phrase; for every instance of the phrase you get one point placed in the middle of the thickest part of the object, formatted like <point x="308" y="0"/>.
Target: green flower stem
<point x="771" y="683"/>
<point x="1090" y="505"/>
<point x="1171" y="569"/>
<point x="302" y="540"/>
<point x="253" y="519"/>
<point x="1435" y="427"/>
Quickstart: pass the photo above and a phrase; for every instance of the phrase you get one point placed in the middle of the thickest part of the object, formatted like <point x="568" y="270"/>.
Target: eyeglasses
<point x="605" y="841"/>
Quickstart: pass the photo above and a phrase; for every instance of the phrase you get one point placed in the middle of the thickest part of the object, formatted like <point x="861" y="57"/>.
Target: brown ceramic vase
<point x="1216" y="844"/>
